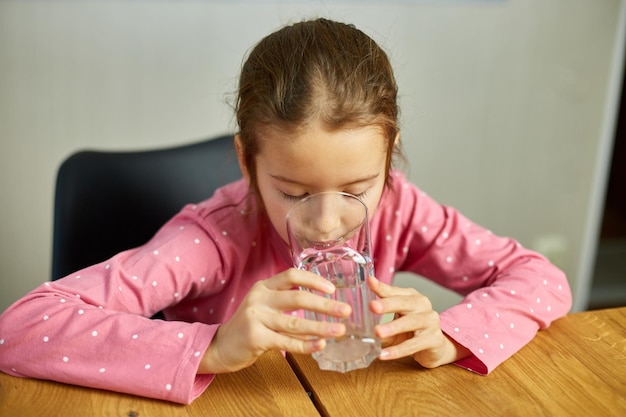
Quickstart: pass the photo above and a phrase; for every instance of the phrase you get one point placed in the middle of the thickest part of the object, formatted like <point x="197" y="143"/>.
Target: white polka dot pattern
<point x="203" y="262"/>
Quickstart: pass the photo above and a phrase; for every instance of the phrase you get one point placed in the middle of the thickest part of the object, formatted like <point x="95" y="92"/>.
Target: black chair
<point x="106" y="202"/>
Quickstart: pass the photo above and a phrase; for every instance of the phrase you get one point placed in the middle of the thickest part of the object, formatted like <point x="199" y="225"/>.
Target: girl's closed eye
<point x="361" y="195"/>
<point x="293" y="198"/>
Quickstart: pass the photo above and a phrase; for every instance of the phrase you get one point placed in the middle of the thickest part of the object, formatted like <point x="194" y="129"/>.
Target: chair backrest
<point x="106" y="202"/>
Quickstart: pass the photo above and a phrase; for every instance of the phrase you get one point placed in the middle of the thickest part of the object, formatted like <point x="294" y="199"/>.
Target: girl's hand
<point x="260" y="323"/>
<point x="415" y="328"/>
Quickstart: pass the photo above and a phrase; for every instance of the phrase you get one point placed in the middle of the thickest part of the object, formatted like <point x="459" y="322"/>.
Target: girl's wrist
<point x="456" y="351"/>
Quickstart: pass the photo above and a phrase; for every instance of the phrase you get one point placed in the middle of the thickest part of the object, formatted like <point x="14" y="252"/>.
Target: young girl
<point x="316" y="112"/>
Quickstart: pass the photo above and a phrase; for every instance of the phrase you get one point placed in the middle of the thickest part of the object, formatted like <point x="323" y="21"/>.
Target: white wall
<point x="506" y="105"/>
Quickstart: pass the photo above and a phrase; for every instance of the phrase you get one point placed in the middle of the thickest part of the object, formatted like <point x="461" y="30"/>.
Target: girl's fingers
<point x="297" y="326"/>
<point x="397" y="300"/>
<point x="384" y="290"/>
<point x="293" y="277"/>
<point x="406" y="348"/>
<point x="296" y="345"/>
<point x="280" y="294"/>
<point x="305" y="300"/>
<point x="411" y="323"/>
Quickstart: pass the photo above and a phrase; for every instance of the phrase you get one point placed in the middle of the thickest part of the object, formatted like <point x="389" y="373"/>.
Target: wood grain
<point x="577" y="367"/>
<point x="268" y="388"/>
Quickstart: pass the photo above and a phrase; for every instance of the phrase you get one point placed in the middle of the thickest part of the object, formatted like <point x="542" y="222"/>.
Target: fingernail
<point x="318" y="344"/>
<point x="383" y="354"/>
<point x="330" y="288"/>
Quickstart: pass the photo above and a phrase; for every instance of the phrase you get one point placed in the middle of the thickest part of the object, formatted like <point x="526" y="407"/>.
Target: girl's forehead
<point x="316" y="152"/>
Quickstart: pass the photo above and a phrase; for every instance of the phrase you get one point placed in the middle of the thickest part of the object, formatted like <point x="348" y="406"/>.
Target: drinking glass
<point x="329" y="235"/>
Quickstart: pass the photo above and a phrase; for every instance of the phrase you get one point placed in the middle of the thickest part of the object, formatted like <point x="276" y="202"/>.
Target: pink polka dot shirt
<point x="92" y="327"/>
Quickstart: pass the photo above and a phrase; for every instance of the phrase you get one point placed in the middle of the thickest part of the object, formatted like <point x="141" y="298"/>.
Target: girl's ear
<point x="241" y="159"/>
<point x="396" y="141"/>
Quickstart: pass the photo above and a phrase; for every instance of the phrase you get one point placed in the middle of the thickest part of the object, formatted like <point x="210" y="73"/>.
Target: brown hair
<point x="315" y="71"/>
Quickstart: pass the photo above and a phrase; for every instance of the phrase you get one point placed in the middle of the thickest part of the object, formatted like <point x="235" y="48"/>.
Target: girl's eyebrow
<point x="357" y="181"/>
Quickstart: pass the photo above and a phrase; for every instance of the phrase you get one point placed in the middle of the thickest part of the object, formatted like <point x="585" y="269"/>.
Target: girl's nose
<point x="327" y="220"/>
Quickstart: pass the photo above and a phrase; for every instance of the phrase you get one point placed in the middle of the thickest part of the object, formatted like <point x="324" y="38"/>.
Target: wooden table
<point x="577" y="367"/>
<point x="268" y="388"/>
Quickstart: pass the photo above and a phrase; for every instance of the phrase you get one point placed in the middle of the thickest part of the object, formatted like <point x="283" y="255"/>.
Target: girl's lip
<point x="327" y="244"/>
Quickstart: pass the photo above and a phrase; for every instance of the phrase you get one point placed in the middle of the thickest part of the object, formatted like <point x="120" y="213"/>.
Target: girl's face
<point x="290" y="167"/>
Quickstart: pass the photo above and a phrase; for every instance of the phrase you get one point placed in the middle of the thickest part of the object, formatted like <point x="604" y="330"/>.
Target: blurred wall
<point x="507" y="106"/>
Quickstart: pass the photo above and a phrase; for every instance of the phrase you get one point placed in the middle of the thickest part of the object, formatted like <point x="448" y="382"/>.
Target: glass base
<point x="347" y="354"/>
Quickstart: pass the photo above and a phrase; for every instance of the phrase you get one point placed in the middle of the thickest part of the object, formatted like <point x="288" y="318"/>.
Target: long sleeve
<point x="93" y="327"/>
<point x="510" y="292"/>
